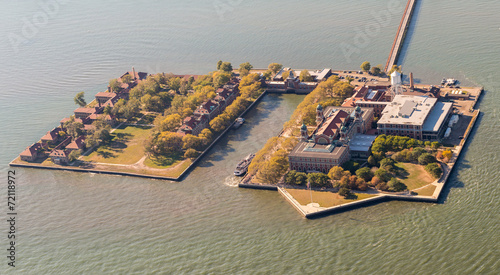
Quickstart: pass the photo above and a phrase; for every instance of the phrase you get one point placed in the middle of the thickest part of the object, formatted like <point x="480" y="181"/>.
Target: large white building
<point x="418" y="117"/>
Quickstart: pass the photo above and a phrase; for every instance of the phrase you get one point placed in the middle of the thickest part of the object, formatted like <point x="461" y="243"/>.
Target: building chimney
<point x="133" y="73"/>
<point x="411" y="81"/>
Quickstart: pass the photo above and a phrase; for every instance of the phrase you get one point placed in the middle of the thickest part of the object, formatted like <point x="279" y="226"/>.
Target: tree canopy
<point x="365" y="66"/>
<point x="275" y="67"/>
<point x="80" y="100"/>
<point x="305" y="76"/>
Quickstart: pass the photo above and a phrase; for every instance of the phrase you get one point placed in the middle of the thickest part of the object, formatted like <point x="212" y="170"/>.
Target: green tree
<point x="396" y="186"/>
<point x="365" y="173"/>
<point x="305" y="76"/>
<point x="300" y="178"/>
<point x="365" y="66"/>
<point x="127" y="79"/>
<point x="74" y="128"/>
<point x="219" y="64"/>
<point x="435" y="145"/>
<point x="346" y="193"/>
<point x="352" y="166"/>
<point x="318" y="179"/>
<point x="383" y="175"/>
<point x="226" y="67"/>
<point x="387" y="164"/>
<point x="290" y="177"/>
<point x="372" y="161"/>
<point x="377" y="70"/>
<point x="114" y="85"/>
<point x="245" y="69"/>
<point x="80" y="100"/>
<point x="434" y="169"/>
<point x="426" y="158"/>
<point x="275" y="67"/>
<point x="74" y="155"/>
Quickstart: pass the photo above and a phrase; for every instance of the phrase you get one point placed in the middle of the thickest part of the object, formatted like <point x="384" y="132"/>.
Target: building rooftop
<point x="405" y="109"/>
<point x="310" y="149"/>
<point x="362" y="142"/>
<point x="437" y="116"/>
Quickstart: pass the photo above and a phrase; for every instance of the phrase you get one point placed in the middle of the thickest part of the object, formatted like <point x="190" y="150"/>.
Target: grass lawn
<point x="414" y="175"/>
<point x="324" y="199"/>
<point x="172" y="172"/>
<point x="127" y="146"/>
<point x="427" y="191"/>
<point x="161" y="163"/>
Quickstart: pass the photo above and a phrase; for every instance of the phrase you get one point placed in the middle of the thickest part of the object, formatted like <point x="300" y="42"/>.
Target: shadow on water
<point x="461" y="164"/>
<point x="409" y="34"/>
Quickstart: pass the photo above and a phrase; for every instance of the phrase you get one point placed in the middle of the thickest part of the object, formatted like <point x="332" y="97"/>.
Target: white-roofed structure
<point x="418" y="117"/>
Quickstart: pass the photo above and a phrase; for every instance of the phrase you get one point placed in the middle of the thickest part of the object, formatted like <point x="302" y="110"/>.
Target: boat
<point x="451" y="81"/>
<point x="242" y="166"/>
<point x="238" y="122"/>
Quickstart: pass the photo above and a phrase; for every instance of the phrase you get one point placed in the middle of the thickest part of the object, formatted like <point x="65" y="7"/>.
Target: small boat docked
<point x="242" y="166"/>
<point x="238" y="122"/>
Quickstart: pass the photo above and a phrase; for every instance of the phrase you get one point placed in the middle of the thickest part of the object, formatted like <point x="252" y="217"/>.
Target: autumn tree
<point x="365" y="66"/>
<point x="245" y="69"/>
<point x="170" y="123"/>
<point x="220" y="78"/>
<point x="305" y="76"/>
<point x="191" y="153"/>
<point x="275" y="67"/>
<point x="335" y="173"/>
<point x="127" y="79"/>
<point x="447" y="154"/>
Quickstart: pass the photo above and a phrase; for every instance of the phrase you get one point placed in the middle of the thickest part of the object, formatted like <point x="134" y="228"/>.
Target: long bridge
<point x="400" y="35"/>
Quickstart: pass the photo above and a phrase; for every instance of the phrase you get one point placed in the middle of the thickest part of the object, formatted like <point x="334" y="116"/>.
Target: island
<point x="357" y="138"/>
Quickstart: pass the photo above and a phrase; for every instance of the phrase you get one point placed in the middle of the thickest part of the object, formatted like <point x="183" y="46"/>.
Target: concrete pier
<point x="400" y="35"/>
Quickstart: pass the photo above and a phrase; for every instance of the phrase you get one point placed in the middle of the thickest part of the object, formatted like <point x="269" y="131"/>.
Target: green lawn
<point x="127" y="146"/>
<point x="324" y="199"/>
<point x="162" y="163"/>
<point x="427" y="191"/>
<point x="413" y="175"/>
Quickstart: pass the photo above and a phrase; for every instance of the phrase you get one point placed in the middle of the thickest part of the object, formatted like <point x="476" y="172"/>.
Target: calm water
<point x="79" y="223"/>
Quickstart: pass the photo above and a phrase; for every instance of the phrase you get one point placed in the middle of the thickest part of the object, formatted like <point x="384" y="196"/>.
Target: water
<point x="81" y="223"/>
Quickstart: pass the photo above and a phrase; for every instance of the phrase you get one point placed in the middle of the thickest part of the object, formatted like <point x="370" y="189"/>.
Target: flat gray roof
<point x="437" y="116"/>
<point x="407" y="109"/>
<point x="309" y="149"/>
<point x="361" y="142"/>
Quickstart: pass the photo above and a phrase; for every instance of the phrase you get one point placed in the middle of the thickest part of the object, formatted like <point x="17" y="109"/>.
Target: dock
<point x="400" y="35"/>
